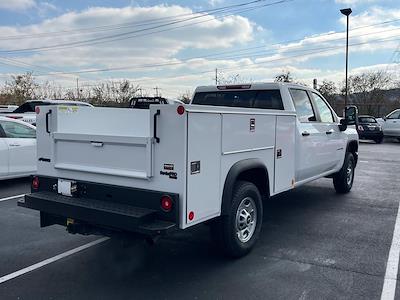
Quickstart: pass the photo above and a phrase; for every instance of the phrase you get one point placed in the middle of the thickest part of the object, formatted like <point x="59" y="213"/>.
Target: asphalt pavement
<point x="314" y="244"/>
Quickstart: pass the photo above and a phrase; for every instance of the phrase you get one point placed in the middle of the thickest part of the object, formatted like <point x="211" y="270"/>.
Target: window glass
<point x="16" y="130"/>
<point x="366" y="120"/>
<point x="267" y="99"/>
<point x="395" y="115"/>
<point x="324" y="111"/>
<point x="304" y="109"/>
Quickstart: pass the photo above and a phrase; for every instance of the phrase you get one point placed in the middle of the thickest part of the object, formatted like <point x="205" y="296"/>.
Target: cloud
<point x="16" y="5"/>
<point x="204" y="32"/>
<point x="354" y="2"/>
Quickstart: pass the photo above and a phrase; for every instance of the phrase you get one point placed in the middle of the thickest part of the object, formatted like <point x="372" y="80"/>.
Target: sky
<point x="177" y="45"/>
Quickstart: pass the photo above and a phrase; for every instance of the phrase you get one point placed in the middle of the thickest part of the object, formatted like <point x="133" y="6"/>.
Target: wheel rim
<point x="349" y="173"/>
<point x="246" y="219"/>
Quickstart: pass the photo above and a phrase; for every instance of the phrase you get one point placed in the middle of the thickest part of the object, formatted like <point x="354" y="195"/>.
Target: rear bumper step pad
<point x="97" y="212"/>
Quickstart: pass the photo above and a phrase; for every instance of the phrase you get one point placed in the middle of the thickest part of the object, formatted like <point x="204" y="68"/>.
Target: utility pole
<point x="347" y="12"/>
<point x="77" y="87"/>
<point x="156" y="89"/>
<point x="216" y="76"/>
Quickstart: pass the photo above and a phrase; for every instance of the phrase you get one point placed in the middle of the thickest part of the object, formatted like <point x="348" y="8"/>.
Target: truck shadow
<point x="189" y="258"/>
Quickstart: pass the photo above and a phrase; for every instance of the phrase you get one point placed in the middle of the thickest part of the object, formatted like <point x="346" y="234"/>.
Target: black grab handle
<point x="47" y="121"/>
<point x="157" y="139"/>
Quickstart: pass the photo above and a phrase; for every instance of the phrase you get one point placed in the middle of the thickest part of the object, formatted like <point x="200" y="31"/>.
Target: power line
<point x="128" y="24"/>
<point x="128" y="35"/>
<point x="185" y="60"/>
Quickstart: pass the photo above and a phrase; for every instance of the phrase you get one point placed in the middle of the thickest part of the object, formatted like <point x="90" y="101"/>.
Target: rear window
<point x="366" y="120"/>
<point x="266" y="99"/>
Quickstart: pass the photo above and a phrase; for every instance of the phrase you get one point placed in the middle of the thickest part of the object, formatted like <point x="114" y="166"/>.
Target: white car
<point x="26" y="112"/>
<point x="391" y="124"/>
<point x="17" y="149"/>
<point x="7" y="108"/>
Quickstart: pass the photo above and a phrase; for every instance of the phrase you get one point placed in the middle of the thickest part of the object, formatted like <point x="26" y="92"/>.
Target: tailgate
<point x="99" y="140"/>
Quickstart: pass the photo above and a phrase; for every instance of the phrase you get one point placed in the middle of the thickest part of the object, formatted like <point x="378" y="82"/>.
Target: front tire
<point x="237" y="232"/>
<point x="379" y="140"/>
<point x="343" y="180"/>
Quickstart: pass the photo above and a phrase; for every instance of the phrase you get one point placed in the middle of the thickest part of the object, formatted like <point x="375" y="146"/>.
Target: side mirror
<point x="343" y="125"/>
<point x="384" y="118"/>
<point x="351" y="115"/>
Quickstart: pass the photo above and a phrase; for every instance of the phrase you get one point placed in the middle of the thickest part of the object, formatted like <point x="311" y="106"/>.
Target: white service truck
<point x="149" y="172"/>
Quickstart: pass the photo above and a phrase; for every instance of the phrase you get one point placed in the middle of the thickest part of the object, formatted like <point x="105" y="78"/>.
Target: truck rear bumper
<point x="89" y="215"/>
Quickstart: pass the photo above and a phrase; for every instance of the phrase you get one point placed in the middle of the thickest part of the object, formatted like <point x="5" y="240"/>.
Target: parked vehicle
<point x="26" y="112"/>
<point x="7" y="108"/>
<point x="391" y="124"/>
<point x="170" y="167"/>
<point x="369" y="129"/>
<point x="145" y="102"/>
<point x="17" y="149"/>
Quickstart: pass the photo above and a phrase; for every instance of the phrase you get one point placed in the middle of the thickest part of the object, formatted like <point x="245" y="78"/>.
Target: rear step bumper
<point x="95" y="213"/>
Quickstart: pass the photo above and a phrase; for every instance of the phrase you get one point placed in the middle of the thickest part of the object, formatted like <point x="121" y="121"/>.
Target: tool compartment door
<point x="203" y="166"/>
<point x="285" y="153"/>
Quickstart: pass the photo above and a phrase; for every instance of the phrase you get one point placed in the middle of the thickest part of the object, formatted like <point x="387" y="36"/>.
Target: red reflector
<point x="180" y="110"/>
<point x="166" y="203"/>
<point x="35" y="183"/>
<point x="14" y="117"/>
<point x="191" y="216"/>
<point x="37" y="110"/>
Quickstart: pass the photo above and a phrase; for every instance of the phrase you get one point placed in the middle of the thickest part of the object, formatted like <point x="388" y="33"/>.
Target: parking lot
<point x="315" y="244"/>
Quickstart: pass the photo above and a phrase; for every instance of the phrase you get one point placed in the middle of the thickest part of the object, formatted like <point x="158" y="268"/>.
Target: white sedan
<point x="17" y="148"/>
<point x="391" y="124"/>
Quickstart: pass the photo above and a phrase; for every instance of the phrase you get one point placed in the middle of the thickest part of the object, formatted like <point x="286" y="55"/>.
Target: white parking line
<point x="364" y="161"/>
<point x="12" y="197"/>
<point x="392" y="265"/>
<point x="50" y="260"/>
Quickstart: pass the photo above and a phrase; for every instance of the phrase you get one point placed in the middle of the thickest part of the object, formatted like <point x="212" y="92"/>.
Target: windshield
<point x="366" y="120"/>
<point x="267" y="99"/>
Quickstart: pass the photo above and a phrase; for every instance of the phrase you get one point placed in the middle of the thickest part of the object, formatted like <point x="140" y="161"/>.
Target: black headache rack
<point x="103" y="209"/>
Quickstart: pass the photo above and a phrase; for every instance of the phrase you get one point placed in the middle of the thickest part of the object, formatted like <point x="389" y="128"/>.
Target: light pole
<point x="347" y="12"/>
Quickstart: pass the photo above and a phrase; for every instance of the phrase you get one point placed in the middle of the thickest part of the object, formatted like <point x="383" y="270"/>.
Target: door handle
<point x="305" y="133"/>
<point x="15" y="145"/>
<point x="329" y="132"/>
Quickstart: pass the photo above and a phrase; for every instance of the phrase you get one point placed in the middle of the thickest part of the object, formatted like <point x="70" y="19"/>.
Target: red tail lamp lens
<point x="37" y="110"/>
<point x="35" y="183"/>
<point x="166" y="203"/>
<point x="180" y="110"/>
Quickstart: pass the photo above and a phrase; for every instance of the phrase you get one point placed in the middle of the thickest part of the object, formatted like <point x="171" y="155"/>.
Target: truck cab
<point x="152" y="171"/>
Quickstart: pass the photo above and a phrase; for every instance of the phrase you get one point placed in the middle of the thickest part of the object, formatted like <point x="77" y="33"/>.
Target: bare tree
<point x="185" y="97"/>
<point x="367" y="90"/>
<point x="21" y="88"/>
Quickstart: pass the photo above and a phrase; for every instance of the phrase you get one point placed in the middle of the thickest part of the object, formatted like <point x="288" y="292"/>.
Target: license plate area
<point x="67" y="187"/>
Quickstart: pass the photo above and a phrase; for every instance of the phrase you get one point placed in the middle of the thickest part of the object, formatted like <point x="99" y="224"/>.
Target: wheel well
<point x="352" y="147"/>
<point x="258" y="177"/>
<point x="252" y="170"/>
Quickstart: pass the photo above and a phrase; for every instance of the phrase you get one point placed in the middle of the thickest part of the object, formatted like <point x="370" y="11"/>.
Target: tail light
<point x="37" y="110"/>
<point x="35" y="183"/>
<point x="180" y="110"/>
<point x="166" y="203"/>
<point x="14" y="117"/>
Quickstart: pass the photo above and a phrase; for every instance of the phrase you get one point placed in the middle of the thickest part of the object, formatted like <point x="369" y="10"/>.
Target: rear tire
<point x="343" y="180"/>
<point x="237" y="232"/>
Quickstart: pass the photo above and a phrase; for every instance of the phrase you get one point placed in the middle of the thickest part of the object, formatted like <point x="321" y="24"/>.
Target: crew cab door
<point x="334" y="141"/>
<point x="21" y="142"/>
<point x="310" y="139"/>
<point x="391" y="126"/>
